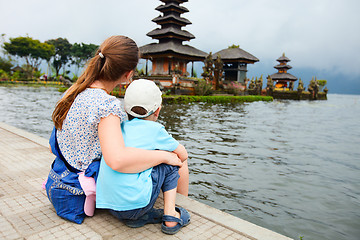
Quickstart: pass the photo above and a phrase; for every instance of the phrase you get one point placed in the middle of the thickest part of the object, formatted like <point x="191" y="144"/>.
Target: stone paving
<point x="26" y="213"/>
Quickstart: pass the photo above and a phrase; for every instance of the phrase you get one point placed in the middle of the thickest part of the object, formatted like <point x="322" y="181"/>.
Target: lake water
<point x="290" y="166"/>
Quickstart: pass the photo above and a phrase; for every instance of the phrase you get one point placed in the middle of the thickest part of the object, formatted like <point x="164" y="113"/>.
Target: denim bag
<point x="63" y="187"/>
<point x="65" y="193"/>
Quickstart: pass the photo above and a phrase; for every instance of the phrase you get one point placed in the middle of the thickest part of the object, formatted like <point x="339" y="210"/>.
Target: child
<point x="131" y="196"/>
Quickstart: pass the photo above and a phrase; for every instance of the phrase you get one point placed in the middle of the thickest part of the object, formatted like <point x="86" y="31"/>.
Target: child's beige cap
<point x="142" y="93"/>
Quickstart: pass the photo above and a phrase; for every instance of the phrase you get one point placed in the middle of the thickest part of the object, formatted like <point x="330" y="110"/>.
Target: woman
<point x="87" y="124"/>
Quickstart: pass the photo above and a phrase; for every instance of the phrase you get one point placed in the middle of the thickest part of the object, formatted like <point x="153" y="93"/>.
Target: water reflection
<point x="290" y="166"/>
<point x="269" y="162"/>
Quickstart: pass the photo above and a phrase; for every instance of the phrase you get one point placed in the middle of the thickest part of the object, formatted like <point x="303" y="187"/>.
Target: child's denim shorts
<point x="164" y="177"/>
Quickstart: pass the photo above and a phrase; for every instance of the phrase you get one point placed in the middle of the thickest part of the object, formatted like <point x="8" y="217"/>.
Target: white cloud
<point x="323" y="34"/>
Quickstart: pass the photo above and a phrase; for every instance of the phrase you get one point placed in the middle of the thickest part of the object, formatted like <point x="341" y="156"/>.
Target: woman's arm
<point x="127" y="159"/>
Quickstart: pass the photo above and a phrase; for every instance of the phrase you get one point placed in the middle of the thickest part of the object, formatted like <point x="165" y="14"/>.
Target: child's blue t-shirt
<point x="128" y="191"/>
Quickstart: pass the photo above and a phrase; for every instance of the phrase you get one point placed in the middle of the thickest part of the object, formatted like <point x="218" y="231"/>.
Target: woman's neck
<point x="105" y="85"/>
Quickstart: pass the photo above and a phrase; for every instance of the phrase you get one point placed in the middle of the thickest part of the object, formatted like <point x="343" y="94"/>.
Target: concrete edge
<point x="229" y="221"/>
<point x="30" y="136"/>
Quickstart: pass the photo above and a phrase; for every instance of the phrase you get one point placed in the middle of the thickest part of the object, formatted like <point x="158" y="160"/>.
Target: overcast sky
<point x="322" y="34"/>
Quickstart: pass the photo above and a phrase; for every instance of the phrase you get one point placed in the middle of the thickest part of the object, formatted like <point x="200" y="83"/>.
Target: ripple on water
<point x="290" y="166"/>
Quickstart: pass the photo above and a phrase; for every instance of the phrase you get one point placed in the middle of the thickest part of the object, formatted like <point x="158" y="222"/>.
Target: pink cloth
<point x="44" y="183"/>
<point x="89" y="187"/>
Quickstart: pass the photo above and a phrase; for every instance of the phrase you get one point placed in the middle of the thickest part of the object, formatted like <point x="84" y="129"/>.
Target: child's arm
<point x="181" y="152"/>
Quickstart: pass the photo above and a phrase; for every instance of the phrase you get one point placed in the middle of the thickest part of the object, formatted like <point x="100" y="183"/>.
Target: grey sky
<point x="323" y="34"/>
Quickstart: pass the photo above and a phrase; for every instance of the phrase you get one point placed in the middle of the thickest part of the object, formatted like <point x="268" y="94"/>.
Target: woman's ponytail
<point x="116" y="56"/>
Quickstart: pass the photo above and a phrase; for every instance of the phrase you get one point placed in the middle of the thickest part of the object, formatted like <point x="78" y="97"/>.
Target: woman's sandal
<point x="182" y="221"/>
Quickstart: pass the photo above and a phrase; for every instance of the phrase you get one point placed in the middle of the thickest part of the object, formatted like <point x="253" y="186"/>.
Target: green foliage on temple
<point x="322" y="82"/>
<point x="234" y="46"/>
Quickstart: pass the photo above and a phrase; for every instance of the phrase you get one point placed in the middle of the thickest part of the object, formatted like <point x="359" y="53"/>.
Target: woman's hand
<point x="172" y="159"/>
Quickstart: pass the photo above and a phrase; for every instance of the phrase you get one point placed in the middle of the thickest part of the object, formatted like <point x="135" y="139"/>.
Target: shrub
<point x="5" y="65"/>
<point x="202" y="88"/>
<point x="3" y="74"/>
<point x="235" y="88"/>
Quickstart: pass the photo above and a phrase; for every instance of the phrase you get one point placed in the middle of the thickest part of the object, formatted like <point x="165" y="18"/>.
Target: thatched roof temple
<point x="170" y="53"/>
<point x="235" y="63"/>
<point x="282" y="77"/>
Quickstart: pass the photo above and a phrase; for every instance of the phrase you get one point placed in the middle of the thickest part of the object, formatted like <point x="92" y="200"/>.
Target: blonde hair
<point x="116" y="56"/>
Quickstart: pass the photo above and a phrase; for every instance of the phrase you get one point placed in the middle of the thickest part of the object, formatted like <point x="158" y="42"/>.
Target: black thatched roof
<point x="283" y="66"/>
<point x="166" y="32"/>
<point x="235" y="54"/>
<point x="283" y="77"/>
<point x="172" y="7"/>
<point x="172" y="18"/>
<point x="153" y="49"/>
<point x="179" y="1"/>
<point x="283" y="59"/>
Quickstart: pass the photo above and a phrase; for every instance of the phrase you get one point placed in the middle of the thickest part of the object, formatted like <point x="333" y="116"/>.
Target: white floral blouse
<point x="78" y="139"/>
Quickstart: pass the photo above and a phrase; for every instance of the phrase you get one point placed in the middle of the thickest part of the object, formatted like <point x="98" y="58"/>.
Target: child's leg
<point x="183" y="182"/>
<point x="169" y="206"/>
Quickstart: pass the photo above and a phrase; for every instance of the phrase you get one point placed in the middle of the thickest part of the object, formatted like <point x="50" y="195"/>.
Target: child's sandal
<point x="182" y="221"/>
<point x="151" y="217"/>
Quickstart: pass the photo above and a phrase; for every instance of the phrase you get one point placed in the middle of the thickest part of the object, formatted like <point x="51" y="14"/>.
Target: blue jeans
<point x="164" y="177"/>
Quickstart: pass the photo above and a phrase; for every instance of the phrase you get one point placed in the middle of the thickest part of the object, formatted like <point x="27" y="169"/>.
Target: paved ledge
<point x="26" y="213"/>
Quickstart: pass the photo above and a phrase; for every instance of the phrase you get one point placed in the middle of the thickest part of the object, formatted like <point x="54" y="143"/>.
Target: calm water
<point x="290" y="166"/>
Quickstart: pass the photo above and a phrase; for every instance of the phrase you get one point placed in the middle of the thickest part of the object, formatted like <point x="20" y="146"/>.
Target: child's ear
<point x="157" y="112"/>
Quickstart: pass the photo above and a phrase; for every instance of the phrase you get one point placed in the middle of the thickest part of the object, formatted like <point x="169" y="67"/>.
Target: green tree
<point x="81" y="53"/>
<point x="62" y="54"/>
<point x="32" y="50"/>
<point x="5" y="64"/>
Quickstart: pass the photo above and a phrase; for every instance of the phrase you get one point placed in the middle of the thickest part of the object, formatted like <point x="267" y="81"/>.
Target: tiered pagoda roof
<point x="279" y="66"/>
<point x="171" y="35"/>
<point x="172" y="7"/>
<point x="282" y="74"/>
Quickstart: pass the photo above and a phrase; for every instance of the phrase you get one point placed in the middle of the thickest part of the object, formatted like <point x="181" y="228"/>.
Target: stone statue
<point x="208" y="69"/>
<point x="252" y="84"/>
<point x="313" y="89"/>
<point x="269" y="86"/>
<point x="258" y="85"/>
<point x="291" y="86"/>
<point x="218" y="71"/>
<point x="301" y="84"/>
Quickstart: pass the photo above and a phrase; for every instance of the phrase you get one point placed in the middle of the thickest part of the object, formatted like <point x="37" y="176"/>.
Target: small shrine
<point x="282" y="77"/>
<point x="170" y="56"/>
<point x="235" y="62"/>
